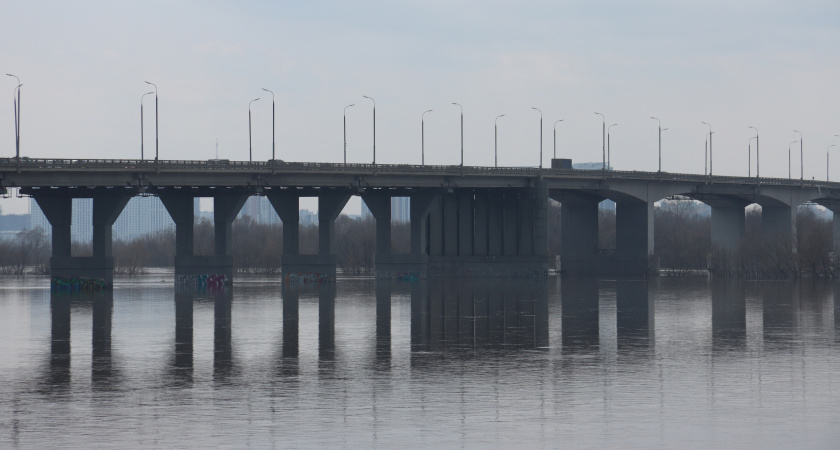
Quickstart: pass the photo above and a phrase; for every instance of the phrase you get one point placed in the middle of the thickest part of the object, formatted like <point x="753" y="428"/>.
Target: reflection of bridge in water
<point x="465" y="221"/>
<point x="446" y="317"/>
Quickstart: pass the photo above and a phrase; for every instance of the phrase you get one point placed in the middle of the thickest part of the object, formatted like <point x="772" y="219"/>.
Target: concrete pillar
<point x="450" y="225"/>
<point x="525" y="225"/>
<point x="180" y="208"/>
<point x="480" y="230"/>
<point x="779" y="223"/>
<point x="495" y="223"/>
<point x="420" y="205"/>
<point x="225" y="209"/>
<point x="59" y="212"/>
<point x="579" y="230"/>
<point x="510" y="233"/>
<point x="380" y="206"/>
<point x="287" y="205"/>
<point x="106" y="210"/>
<point x="540" y="218"/>
<point x="465" y="223"/>
<point x="436" y="227"/>
<point x="633" y="229"/>
<point x="727" y="226"/>
<point x="329" y="207"/>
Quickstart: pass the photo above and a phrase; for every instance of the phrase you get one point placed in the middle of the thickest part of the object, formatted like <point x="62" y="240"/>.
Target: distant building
<point x="260" y="210"/>
<point x="400" y="210"/>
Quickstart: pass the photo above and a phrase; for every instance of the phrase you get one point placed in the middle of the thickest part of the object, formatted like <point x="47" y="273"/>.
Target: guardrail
<point x="26" y="164"/>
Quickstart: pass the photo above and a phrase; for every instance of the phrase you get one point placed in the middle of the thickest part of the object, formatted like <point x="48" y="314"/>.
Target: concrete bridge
<point x="465" y="221"/>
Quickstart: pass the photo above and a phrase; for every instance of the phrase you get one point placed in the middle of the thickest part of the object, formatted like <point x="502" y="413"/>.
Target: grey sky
<point x="770" y="64"/>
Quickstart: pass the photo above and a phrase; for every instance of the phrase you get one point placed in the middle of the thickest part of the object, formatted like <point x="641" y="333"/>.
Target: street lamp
<point x="496" y="141"/>
<point x="423" y="137"/>
<point x="801" y="160"/>
<point x="659" y="123"/>
<point x="608" y="143"/>
<point x="345" y="131"/>
<point x="826" y="160"/>
<point x="710" y="147"/>
<point x="272" y="124"/>
<point x="603" y="141"/>
<point x="17" y="116"/>
<point x="555" y="137"/>
<point x="792" y="142"/>
<point x="541" y="135"/>
<point x="157" y="154"/>
<point x="141" y="125"/>
<point x="462" y="132"/>
<point x="749" y="156"/>
<point x="374" y="127"/>
<point x="250" y="156"/>
<point x="757" y="160"/>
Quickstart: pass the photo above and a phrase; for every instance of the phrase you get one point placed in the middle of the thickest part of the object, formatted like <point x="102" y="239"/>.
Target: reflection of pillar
<point x="780" y="311"/>
<point x="437" y="315"/>
<point x="634" y="314"/>
<point x="383" y="322"/>
<point x="326" y="321"/>
<point x="481" y="312"/>
<point x="222" y="347"/>
<point x="729" y="313"/>
<point x="462" y="295"/>
<point x="420" y="316"/>
<point x="184" y="330"/>
<point x="290" y="295"/>
<point x="541" y="323"/>
<point x="59" y="339"/>
<point x="579" y="321"/>
<point x="496" y="315"/>
<point x="103" y="309"/>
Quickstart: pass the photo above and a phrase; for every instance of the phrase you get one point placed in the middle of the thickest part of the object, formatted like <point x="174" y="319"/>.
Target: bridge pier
<point x="210" y="270"/>
<point x="94" y="272"/>
<point x="727" y="225"/>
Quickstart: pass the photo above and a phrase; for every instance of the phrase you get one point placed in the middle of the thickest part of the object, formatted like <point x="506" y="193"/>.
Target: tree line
<point x="682" y="243"/>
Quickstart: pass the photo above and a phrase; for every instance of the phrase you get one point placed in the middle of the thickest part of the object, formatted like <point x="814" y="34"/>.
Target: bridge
<point x="465" y="221"/>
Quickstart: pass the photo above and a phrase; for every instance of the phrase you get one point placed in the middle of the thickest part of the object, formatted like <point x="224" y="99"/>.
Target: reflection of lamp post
<point x="272" y="124"/>
<point x="17" y="116"/>
<point x="250" y="158"/>
<point x="603" y="141"/>
<point x="826" y="161"/>
<point x="608" y="143"/>
<point x="345" y="131"/>
<point x="423" y="137"/>
<point x="157" y="154"/>
<point x="659" y="123"/>
<point x="792" y="142"/>
<point x="541" y="135"/>
<point x="757" y="159"/>
<point x="801" y="160"/>
<point x="555" y="137"/>
<point x="496" y="141"/>
<point x="462" y="132"/>
<point x="710" y="147"/>
<point x="374" y="127"/>
<point x="141" y="124"/>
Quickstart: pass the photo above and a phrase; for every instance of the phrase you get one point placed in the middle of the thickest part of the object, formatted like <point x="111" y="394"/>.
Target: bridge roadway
<point x="465" y="221"/>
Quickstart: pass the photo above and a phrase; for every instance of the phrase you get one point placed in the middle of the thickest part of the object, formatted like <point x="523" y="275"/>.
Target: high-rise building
<point x="400" y="210"/>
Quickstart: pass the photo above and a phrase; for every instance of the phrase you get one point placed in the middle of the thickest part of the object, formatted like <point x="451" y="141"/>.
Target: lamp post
<point x="272" y="124"/>
<point x="374" y="127"/>
<point x="496" y="141"/>
<point x="142" y="157"/>
<point x="17" y="116"/>
<point x="792" y="142"/>
<point x="826" y="160"/>
<point x="608" y="143"/>
<point x="157" y="154"/>
<point x="345" y="131"/>
<point x="757" y="159"/>
<point x="250" y="155"/>
<point x="603" y="141"/>
<point x="749" y="156"/>
<point x="710" y="148"/>
<point x="555" y="137"/>
<point x="659" y="125"/>
<point x="801" y="160"/>
<point x="462" y="132"/>
<point x="423" y="137"/>
<point x="541" y="135"/>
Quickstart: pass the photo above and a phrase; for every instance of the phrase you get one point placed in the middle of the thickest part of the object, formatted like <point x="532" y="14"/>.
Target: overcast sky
<point x="770" y="64"/>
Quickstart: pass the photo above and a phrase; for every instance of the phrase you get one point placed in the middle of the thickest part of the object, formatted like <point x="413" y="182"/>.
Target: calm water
<point x="551" y="363"/>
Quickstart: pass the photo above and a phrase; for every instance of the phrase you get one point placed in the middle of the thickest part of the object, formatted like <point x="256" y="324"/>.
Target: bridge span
<point x="465" y="221"/>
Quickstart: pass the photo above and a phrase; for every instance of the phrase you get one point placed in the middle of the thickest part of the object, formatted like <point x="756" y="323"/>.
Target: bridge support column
<point x="634" y="239"/>
<point x="74" y="272"/>
<point x="727" y="227"/>
<point x="409" y="266"/>
<point x="579" y="235"/>
<point x="778" y="223"/>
